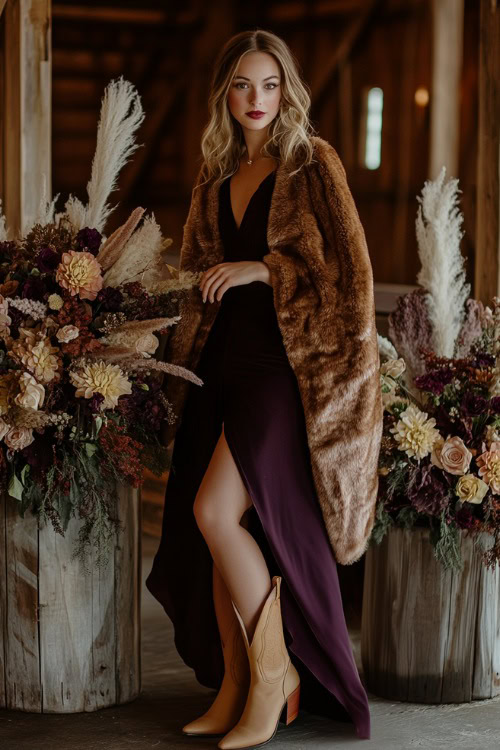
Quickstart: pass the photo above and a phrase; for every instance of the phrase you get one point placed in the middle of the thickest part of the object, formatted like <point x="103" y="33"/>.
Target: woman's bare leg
<point x="220" y="503"/>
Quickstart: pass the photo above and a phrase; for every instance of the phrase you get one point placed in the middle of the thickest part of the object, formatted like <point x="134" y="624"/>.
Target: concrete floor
<point x="171" y="697"/>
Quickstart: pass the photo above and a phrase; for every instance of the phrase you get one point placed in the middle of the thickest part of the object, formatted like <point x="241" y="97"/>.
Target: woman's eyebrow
<point x="264" y="79"/>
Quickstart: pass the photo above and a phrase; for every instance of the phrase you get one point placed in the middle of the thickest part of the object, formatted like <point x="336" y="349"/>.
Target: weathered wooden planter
<point x="429" y="635"/>
<point x="68" y="642"/>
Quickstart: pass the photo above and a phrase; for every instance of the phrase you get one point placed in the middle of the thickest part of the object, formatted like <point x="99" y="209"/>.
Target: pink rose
<point x="452" y="455"/>
<point x="18" y="438"/>
<point x="67" y="334"/>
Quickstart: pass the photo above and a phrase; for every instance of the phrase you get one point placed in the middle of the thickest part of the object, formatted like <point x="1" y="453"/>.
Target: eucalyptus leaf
<point x="15" y="488"/>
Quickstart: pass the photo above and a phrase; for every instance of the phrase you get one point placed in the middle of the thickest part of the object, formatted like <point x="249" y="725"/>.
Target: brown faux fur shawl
<point x="323" y="294"/>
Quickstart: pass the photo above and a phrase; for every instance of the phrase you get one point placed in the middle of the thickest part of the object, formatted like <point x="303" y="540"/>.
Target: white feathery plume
<point x="385" y="348"/>
<point x="121" y="115"/>
<point x="46" y="208"/>
<point x="138" y="255"/>
<point x="442" y="274"/>
<point x="75" y="212"/>
<point x="3" y="225"/>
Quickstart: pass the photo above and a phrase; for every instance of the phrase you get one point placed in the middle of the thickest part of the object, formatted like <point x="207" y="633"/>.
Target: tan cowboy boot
<point x="230" y="700"/>
<point x="274" y="681"/>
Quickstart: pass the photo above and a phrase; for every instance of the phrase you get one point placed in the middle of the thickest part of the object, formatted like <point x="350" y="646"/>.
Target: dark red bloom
<point x="427" y="493"/>
<point x="434" y="381"/>
<point x="473" y="405"/>
<point x="89" y="240"/>
<point x="47" y="260"/>
<point x="34" y="288"/>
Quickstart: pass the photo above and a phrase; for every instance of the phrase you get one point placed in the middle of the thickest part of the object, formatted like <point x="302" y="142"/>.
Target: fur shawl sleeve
<point x="323" y="291"/>
<point x="322" y="284"/>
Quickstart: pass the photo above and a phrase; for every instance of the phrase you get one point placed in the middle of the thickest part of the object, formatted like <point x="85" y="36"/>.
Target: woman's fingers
<point x="212" y="284"/>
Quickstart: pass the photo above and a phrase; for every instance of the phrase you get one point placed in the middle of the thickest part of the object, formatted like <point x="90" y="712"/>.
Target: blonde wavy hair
<point x="222" y="142"/>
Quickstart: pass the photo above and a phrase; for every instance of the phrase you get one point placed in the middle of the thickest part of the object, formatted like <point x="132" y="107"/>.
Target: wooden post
<point x="448" y="18"/>
<point x="487" y="262"/>
<point x="429" y="635"/>
<point x="71" y="641"/>
<point x="26" y="109"/>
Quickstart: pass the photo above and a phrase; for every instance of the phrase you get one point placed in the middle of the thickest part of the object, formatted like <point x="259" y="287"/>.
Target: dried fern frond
<point x="112" y="248"/>
<point x="140" y="253"/>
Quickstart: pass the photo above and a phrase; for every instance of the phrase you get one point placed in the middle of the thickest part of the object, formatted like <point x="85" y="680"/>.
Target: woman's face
<point x="255" y="86"/>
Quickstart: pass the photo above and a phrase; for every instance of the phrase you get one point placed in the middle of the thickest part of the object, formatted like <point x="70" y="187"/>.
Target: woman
<point x="274" y="465"/>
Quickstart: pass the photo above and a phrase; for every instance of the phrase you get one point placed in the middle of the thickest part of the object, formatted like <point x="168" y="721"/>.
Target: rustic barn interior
<point x="399" y="87"/>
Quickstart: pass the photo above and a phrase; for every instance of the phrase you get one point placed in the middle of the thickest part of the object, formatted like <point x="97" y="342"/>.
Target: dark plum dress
<point x="250" y="386"/>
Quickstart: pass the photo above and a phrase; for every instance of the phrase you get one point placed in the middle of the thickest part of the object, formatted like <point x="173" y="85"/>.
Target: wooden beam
<point x="342" y="50"/>
<point x="27" y="108"/>
<point x="447" y="33"/>
<point x="487" y="261"/>
<point x="111" y="14"/>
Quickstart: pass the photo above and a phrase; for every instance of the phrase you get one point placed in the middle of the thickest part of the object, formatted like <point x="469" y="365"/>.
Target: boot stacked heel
<point x="274" y="690"/>
<point x="291" y="708"/>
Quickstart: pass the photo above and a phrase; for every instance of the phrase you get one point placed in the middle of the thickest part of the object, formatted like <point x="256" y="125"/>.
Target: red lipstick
<point x="255" y="114"/>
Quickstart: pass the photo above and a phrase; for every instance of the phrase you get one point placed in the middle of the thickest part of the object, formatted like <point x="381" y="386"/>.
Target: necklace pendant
<point x="249" y="161"/>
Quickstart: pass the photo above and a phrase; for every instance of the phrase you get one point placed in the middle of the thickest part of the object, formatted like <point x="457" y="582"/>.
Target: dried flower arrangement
<point x="439" y="464"/>
<point x="81" y="403"/>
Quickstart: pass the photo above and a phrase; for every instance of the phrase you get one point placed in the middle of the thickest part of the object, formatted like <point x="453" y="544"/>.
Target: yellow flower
<point x="80" y="273"/>
<point x="55" y="302"/>
<point x="471" y="489"/>
<point x="100" y="377"/>
<point x="414" y="433"/>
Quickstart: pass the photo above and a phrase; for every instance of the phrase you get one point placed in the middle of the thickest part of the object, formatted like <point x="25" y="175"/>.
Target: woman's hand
<point x="220" y="277"/>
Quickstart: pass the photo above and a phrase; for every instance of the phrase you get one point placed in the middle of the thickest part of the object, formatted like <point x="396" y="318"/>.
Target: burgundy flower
<point x="494" y="402"/>
<point x="110" y="299"/>
<point x="448" y="426"/>
<point x="47" y="260"/>
<point x="434" y="381"/>
<point x="95" y="402"/>
<point x="34" y="288"/>
<point x="427" y="493"/>
<point x="473" y="405"/>
<point x="465" y="517"/>
<point x="483" y="359"/>
<point x="89" y="239"/>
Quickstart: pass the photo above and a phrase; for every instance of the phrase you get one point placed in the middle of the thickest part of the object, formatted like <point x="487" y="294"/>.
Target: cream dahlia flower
<point x="414" y="433"/>
<point x="471" y="489"/>
<point x="80" y="273"/>
<point x="489" y="467"/>
<point x="99" y="377"/>
<point x="40" y="357"/>
<point x="32" y="393"/>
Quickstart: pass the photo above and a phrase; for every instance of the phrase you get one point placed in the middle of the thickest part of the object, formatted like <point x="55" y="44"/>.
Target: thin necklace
<point x="251" y="161"/>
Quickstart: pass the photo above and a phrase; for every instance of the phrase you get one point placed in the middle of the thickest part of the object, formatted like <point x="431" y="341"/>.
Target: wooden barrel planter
<point x="68" y="641"/>
<point x="429" y="635"/>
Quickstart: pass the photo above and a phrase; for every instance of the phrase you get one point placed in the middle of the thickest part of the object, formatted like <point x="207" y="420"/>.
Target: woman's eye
<point x="241" y="83"/>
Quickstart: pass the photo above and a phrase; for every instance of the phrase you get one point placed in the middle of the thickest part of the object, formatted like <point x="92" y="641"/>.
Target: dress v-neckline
<point x="238" y="228"/>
